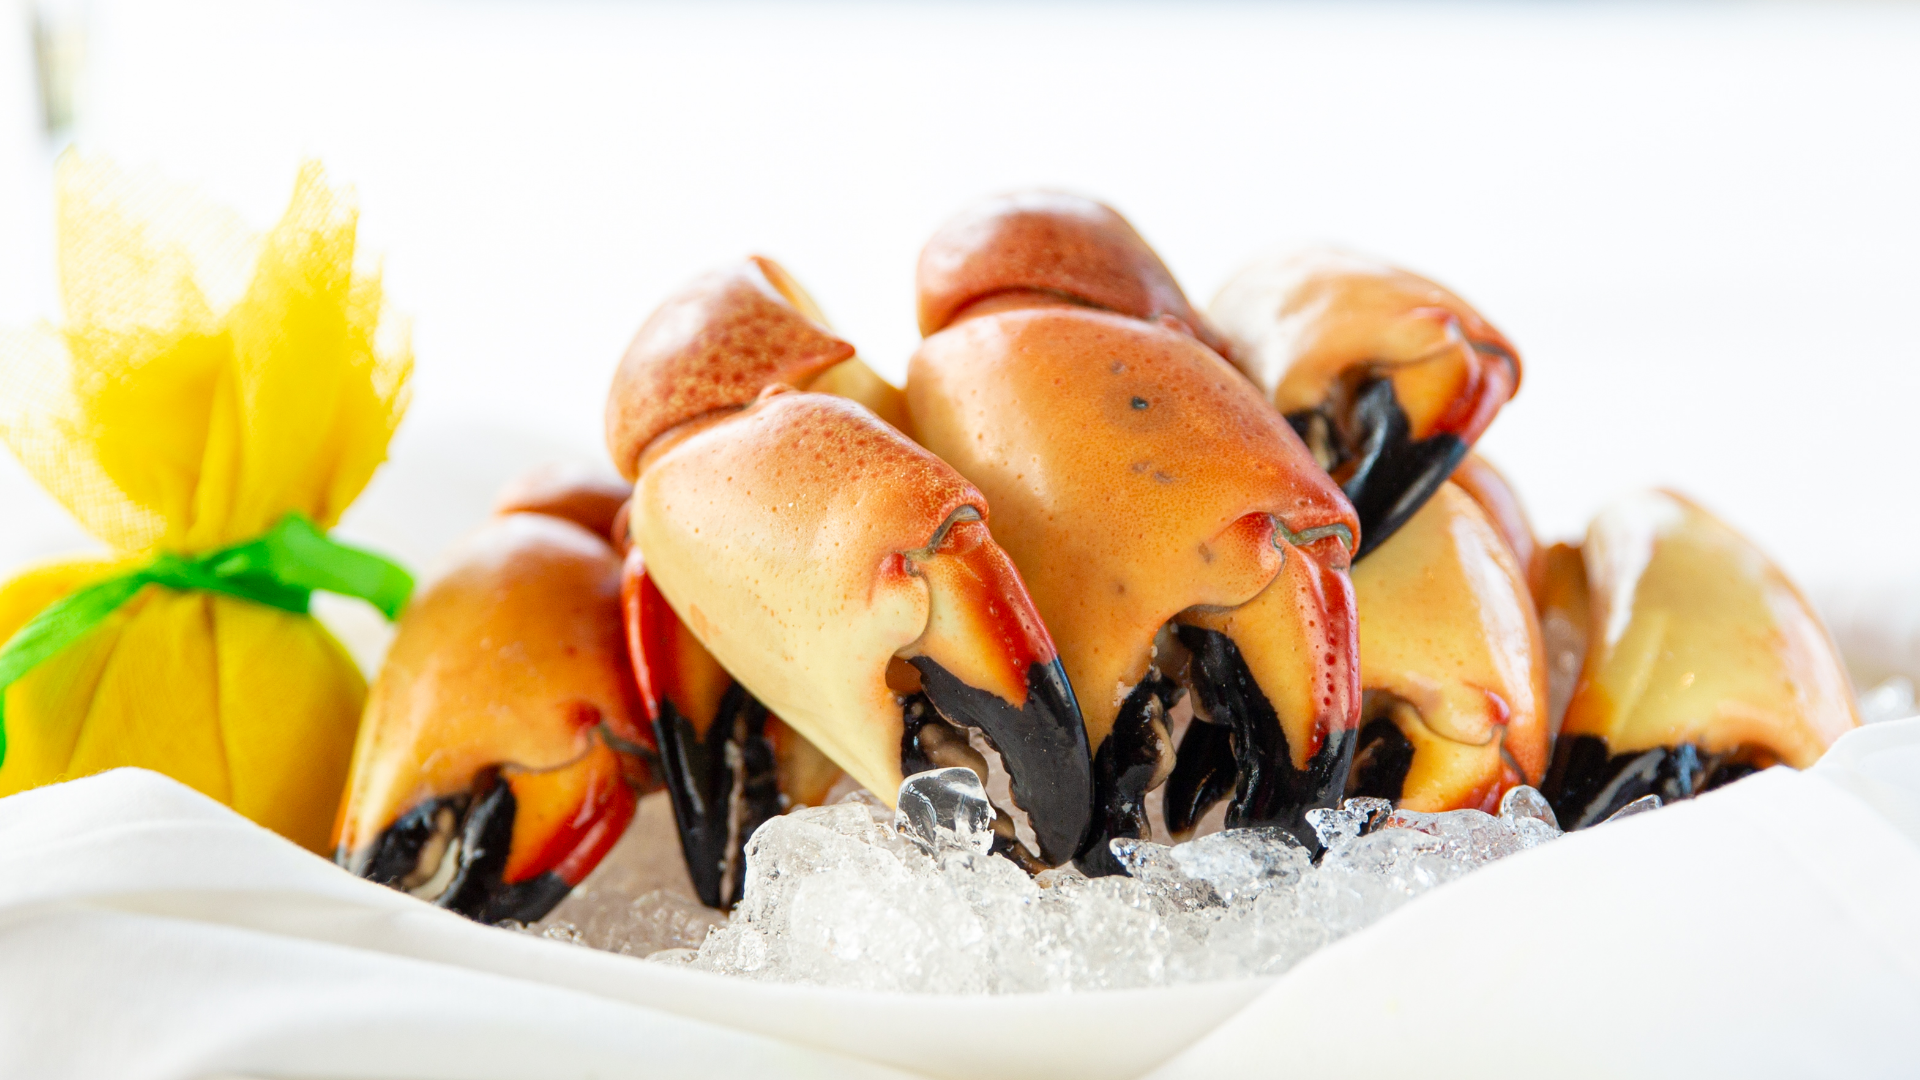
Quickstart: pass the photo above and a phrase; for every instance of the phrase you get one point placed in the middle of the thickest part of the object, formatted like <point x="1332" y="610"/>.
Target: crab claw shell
<point x="583" y="495"/>
<point x="500" y="752"/>
<point x="728" y="764"/>
<point x="1389" y="377"/>
<point x="1450" y="663"/>
<point x="808" y="546"/>
<point x="1497" y="499"/>
<point x="1703" y="664"/>
<point x="714" y="346"/>
<point x="1135" y="477"/>
<point x="1037" y="247"/>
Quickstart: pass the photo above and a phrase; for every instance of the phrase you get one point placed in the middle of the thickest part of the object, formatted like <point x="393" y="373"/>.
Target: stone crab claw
<point x="501" y="754"/>
<point x="842" y="574"/>
<point x="728" y="764"/>
<point x="1451" y="666"/>
<point x="1702" y="662"/>
<point x="1387" y="376"/>
<point x="1173" y="530"/>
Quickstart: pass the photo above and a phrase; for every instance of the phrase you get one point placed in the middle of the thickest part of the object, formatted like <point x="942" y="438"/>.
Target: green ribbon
<point x="282" y="569"/>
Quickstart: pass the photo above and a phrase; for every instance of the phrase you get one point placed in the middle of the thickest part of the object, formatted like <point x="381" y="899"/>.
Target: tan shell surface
<point x="1298" y="323"/>
<point x="1120" y="459"/>
<point x="1447" y="625"/>
<point x="1048" y="242"/>
<point x="773" y="533"/>
<point x="1695" y="637"/>
<point x="513" y="656"/>
<point x="714" y="345"/>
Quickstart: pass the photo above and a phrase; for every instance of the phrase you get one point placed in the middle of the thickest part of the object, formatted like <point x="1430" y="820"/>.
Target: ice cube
<point x="1354" y="818"/>
<point x="1242" y="863"/>
<point x="1522" y="802"/>
<point x="1641" y="805"/>
<point x="945" y="809"/>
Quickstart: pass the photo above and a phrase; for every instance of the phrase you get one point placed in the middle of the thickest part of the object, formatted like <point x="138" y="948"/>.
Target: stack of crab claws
<point x="1147" y="492"/>
<point x="800" y="563"/>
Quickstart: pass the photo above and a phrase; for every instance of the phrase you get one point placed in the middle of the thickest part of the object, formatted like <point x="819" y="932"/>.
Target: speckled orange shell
<point x="1123" y="461"/>
<point x="715" y="345"/>
<point x="1050" y="243"/>
<point x="514" y="656"/>
<point x="1447" y="625"/>
<point x="1301" y="324"/>
<point x="775" y="533"/>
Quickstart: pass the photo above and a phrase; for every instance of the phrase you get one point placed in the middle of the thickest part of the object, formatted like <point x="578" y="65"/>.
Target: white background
<point x="1698" y="223"/>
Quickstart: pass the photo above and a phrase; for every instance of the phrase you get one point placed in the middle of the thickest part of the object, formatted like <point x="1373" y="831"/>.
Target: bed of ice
<point x="857" y="896"/>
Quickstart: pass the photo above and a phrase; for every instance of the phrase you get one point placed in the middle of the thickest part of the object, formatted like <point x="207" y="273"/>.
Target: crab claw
<point x="1703" y="664"/>
<point x="1451" y="665"/>
<point x="1156" y="506"/>
<point x="728" y="764"/>
<point x="1387" y="376"/>
<point x="843" y="574"/>
<point x="585" y="496"/>
<point x="500" y="757"/>
<point x="1036" y="248"/>
<point x="1491" y="490"/>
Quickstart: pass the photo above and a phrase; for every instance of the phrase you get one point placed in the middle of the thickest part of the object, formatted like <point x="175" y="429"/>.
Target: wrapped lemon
<point x="211" y="406"/>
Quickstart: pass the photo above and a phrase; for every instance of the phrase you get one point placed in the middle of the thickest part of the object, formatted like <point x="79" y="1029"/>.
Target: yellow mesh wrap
<point x="206" y="383"/>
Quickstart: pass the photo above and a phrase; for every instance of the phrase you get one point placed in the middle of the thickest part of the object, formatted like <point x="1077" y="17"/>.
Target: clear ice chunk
<point x="945" y="809"/>
<point x="1525" y="802"/>
<point x="1353" y="819"/>
<point x="1643" y="804"/>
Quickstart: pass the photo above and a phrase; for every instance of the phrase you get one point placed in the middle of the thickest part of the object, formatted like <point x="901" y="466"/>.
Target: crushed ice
<point x="854" y="895"/>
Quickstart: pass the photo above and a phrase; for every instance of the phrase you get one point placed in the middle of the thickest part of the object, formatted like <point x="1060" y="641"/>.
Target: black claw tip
<point x="1122" y="769"/>
<point x="1269" y="789"/>
<point x="704" y="781"/>
<point x="1204" y="772"/>
<point x="486" y="837"/>
<point x="1392" y="476"/>
<point x="1382" y="761"/>
<point x="1043" y="744"/>
<point x="1586" y="784"/>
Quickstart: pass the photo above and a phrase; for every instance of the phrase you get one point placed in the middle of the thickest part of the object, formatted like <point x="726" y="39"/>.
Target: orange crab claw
<point x="727" y="763"/>
<point x="1703" y="664"/>
<point x="1489" y="487"/>
<point x="1157" y="507"/>
<point x="1450" y="664"/>
<point x="844" y="575"/>
<point x="1033" y="248"/>
<point x="585" y="496"/>
<point x="1387" y="376"/>
<point x="500" y="755"/>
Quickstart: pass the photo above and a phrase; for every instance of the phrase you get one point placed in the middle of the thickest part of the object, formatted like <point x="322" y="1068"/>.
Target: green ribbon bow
<point x="281" y="569"/>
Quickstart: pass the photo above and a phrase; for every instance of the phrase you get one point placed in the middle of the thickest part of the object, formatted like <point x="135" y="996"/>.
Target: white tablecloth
<point x="1764" y="930"/>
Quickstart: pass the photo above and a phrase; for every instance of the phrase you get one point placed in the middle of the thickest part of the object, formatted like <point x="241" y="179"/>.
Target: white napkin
<point x="146" y="931"/>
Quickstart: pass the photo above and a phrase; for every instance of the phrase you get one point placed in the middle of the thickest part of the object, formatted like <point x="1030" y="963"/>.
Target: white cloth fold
<point x="1763" y="930"/>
